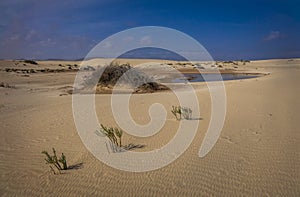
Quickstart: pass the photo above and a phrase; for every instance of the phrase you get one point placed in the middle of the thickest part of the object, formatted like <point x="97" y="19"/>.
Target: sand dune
<point x="257" y="153"/>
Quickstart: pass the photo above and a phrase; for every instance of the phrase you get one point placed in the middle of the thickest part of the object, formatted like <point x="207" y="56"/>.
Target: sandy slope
<point x="257" y="153"/>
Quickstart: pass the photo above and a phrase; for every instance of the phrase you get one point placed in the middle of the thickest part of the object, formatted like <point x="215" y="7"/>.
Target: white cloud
<point x="107" y="45"/>
<point x="146" y="40"/>
<point x="30" y="34"/>
<point x="47" y="42"/>
<point x="128" y="39"/>
<point x="273" y="35"/>
<point x="15" y="37"/>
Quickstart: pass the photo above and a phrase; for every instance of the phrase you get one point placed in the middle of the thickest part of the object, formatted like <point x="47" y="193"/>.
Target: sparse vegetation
<point x="54" y="161"/>
<point x="125" y="75"/>
<point x="245" y="61"/>
<point x="6" y="85"/>
<point x="30" y="62"/>
<point x="115" y="71"/>
<point x="181" y="112"/>
<point x="187" y="113"/>
<point x="113" y="134"/>
<point x="43" y="70"/>
<point x="115" y="137"/>
<point x="199" y="66"/>
<point x="228" y="62"/>
<point x="150" y="87"/>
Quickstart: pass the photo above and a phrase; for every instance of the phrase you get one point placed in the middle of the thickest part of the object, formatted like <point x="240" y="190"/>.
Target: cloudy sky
<point x="257" y="29"/>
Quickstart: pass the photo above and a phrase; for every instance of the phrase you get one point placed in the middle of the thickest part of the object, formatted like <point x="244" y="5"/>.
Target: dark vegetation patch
<point x="126" y="77"/>
<point x="30" y="62"/>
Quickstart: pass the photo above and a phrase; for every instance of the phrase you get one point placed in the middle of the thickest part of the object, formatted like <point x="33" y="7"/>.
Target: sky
<point x="229" y="30"/>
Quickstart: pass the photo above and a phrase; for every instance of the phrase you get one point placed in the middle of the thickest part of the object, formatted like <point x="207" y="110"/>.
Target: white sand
<point x="257" y="154"/>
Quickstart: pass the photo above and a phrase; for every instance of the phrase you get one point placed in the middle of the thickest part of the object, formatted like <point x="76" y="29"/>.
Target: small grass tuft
<point x="115" y="137"/>
<point x="182" y="112"/>
<point x="53" y="160"/>
<point x="113" y="134"/>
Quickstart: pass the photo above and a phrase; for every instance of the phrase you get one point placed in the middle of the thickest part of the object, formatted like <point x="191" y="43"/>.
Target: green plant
<point x="63" y="160"/>
<point x="113" y="134"/>
<point x="186" y="112"/>
<point x="176" y="111"/>
<point x="53" y="160"/>
<point x="119" y="134"/>
<point x="115" y="137"/>
<point x="180" y="112"/>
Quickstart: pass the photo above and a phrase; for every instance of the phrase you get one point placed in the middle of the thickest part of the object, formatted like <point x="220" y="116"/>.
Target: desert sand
<point x="257" y="154"/>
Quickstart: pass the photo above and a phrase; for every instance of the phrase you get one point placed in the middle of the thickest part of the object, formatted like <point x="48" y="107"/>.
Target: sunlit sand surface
<point x="257" y="153"/>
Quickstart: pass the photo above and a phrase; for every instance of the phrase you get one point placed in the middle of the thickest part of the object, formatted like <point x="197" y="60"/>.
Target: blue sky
<point x="257" y="29"/>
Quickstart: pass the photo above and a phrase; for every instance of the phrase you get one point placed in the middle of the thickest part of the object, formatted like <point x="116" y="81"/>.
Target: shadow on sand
<point x="75" y="166"/>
